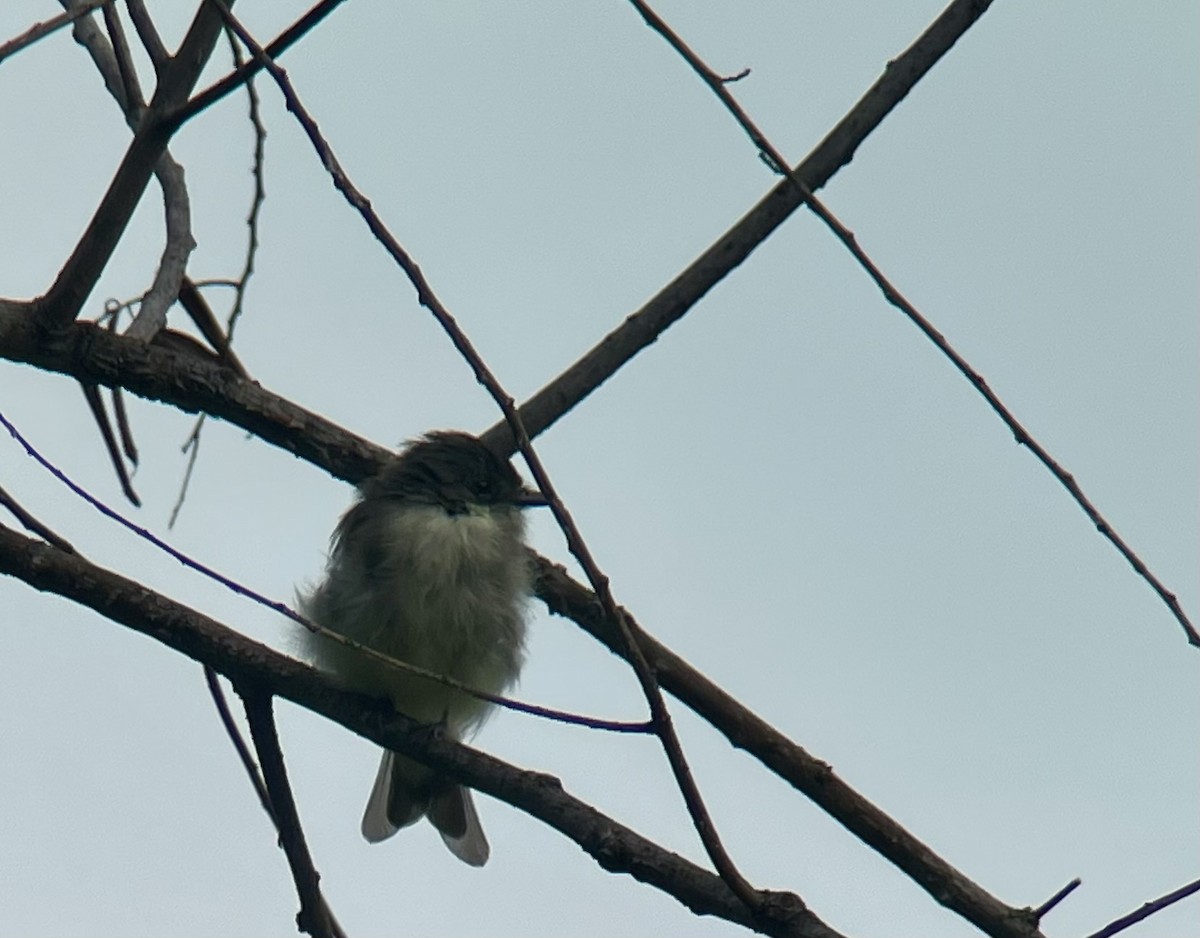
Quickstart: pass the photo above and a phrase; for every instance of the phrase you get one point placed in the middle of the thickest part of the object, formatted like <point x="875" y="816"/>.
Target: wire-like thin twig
<point x="897" y="299"/>
<point x="643" y="327"/>
<point x="224" y="347"/>
<point x="1146" y="910"/>
<point x="254" y="115"/>
<point x="314" y="917"/>
<point x="42" y="30"/>
<point x="239" y="743"/>
<point x="575" y="543"/>
<point x="561" y="716"/>
<point x="230" y="83"/>
<point x="191" y="447"/>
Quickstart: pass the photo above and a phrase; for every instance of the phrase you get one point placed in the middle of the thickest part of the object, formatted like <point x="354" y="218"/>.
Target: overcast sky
<point x="791" y="488"/>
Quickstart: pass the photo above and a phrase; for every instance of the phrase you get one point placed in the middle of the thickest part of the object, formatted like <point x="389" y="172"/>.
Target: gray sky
<point x="791" y="489"/>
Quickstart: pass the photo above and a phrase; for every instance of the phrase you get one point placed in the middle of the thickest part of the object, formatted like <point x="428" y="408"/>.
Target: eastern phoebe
<point x="429" y="566"/>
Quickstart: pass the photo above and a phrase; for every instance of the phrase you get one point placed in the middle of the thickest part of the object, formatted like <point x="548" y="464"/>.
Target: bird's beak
<point x="530" y="498"/>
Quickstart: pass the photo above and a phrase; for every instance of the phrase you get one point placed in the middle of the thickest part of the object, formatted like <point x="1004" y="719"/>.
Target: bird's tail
<point x="405" y="791"/>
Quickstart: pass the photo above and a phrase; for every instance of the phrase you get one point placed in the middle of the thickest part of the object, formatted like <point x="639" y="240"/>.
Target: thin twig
<point x="243" y="73"/>
<point x="1146" y="910"/>
<point x="239" y="743"/>
<point x="260" y="191"/>
<point x="191" y="446"/>
<point x="672" y="302"/>
<point x="575" y="543"/>
<point x="1041" y="910"/>
<point x="898" y="300"/>
<point x="131" y="99"/>
<point x="41" y="30"/>
<point x="31" y="524"/>
<point x="222" y="340"/>
<point x="91" y="393"/>
<point x="124" y="428"/>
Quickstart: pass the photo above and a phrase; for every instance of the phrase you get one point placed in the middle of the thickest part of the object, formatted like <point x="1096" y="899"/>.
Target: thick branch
<point x="192" y="383"/>
<point x="809" y="775"/>
<point x="615" y="847"/>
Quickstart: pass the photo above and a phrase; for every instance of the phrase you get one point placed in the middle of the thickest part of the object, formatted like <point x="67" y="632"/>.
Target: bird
<point x="428" y="566"/>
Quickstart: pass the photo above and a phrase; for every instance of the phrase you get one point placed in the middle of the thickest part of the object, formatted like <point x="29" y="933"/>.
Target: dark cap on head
<point x="451" y="468"/>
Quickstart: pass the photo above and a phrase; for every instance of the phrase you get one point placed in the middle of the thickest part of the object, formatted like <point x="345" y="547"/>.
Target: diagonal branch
<point x="114" y="61"/>
<point x="615" y="847"/>
<point x="31" y="524"/>
<point x="62" y="302"/>
<point x="42" y="30"/>
<point x="314" y="917"/>
<point x="643" y="327"/>
<point x="902" y="303"/>
<point x="810" y="776"/>
<point x="247" y="70"/>
<point x="1146" y="910"/>
<point x="189" y="382"/>
<point x="193" y="384"/>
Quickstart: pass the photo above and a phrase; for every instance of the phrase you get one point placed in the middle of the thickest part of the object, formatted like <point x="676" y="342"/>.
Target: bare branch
<point x="91" y="393"/>
<point x="131" y="88"/>
<point x="259" y="785"/>
<point x="148" y="33"/>
<point x="816" y="779"/>
<point x="314" y="917"/>
<point x="644" y="327"/>
<point x="41" y="30"/>
<point x="115" y="64"/>
<point x="243" y="73"/>
<point x="615" y="847"/>
<point x="1145" y="911"/>
<point x="172" y="268"/>
<point x="897" y="299"/>
<point x="202" y="315"/>
<point x="1058" y="897"/>
<point x="189" y="382"/>
<point x="32" y="525"/>
<point x="62" y="302"/>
